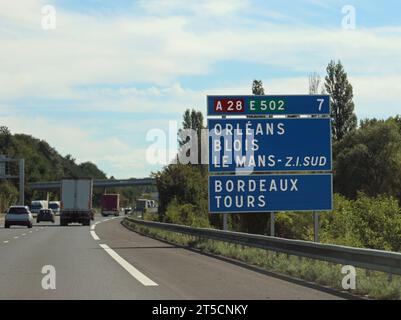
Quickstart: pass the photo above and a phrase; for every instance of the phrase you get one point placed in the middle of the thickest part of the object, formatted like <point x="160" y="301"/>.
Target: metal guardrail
<point x="377" y="260"/>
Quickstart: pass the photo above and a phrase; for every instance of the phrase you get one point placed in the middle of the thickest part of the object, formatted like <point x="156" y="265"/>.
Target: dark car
<point x="45" y="215"/>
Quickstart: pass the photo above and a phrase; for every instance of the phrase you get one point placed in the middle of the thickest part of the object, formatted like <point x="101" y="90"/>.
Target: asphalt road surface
<point x="107" y="261"/>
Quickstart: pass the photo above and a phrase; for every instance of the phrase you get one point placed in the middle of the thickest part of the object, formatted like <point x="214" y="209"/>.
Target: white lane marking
<point x="36" y="229"/>
<point x="16" y="237"/>
<point x="128" y="267"/>
<point x="93" y="226"/>
<point x="94" y="235"/>
<point x="24" y="234"/>
<point x="30" y="231"/>
<point x="5" y="241"/>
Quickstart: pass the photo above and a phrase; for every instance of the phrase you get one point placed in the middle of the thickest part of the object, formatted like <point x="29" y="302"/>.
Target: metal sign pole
<point x="225" y="222"/>
<point x="316" y="226"/>
<point x="272" y="224"/>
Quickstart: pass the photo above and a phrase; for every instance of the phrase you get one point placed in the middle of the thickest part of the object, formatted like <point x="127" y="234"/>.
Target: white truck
<point x="76" y="201"/>
<point x="55" y="206"/>
<point x="37" y="205"/>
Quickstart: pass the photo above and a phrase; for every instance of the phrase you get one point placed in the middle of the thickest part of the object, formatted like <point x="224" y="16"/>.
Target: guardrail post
<point x="272" y="224"/>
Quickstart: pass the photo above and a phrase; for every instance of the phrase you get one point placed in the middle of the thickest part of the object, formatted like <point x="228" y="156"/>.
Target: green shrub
<point x="186" y="214"/>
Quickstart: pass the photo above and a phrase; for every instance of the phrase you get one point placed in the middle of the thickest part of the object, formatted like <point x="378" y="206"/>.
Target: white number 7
<point x="321" y="101"/>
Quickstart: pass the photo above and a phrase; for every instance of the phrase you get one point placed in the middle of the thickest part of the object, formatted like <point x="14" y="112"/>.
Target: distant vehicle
<point x="127" y="210"/>
<point x="76" y="201"/>
<point x="143" y="204"/>
<point x="18" y="216"/>
<point x="38" y="205"/>
<point x="110" y="205"/>
<point x="45" y="215"/>
<point x="55" y="206"/>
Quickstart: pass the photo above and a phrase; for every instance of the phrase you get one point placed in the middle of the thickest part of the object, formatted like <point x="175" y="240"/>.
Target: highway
<point x="107" y="261"/>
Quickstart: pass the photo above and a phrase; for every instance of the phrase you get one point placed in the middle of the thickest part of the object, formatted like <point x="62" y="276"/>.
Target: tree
<point x="183" y="184"/>
<point x="192" y="119"/>
<point x="342" y="106"/>
<point x="5" y="140"/>
<point x="369" y="160"/>
<point x="257" y="88"/>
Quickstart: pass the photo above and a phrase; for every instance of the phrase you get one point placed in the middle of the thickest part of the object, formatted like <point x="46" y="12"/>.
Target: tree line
<point x="44" y="163"/>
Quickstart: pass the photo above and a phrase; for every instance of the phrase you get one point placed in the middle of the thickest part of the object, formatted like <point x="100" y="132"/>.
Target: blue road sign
<point x="270" y="193"/>
<point x="268" y="105"/>
<point x="267" y="145"/>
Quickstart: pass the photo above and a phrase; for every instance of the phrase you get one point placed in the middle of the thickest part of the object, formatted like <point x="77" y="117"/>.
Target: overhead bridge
<point x="113" y="183"/>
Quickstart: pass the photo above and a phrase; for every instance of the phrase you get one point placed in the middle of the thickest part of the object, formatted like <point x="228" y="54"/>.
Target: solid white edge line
<point x="6" y="241"/>
<point x="128" y="267"/>
<point x="94" y="235"/>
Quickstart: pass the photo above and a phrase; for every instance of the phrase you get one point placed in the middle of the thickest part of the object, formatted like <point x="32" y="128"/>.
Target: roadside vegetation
<point x="369" y="284"/>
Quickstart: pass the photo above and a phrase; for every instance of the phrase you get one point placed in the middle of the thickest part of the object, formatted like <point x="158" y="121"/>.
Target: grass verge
<point x="369" y="284"/>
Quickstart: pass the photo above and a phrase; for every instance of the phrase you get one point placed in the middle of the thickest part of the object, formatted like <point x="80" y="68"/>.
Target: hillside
<point x="42" y="163"/>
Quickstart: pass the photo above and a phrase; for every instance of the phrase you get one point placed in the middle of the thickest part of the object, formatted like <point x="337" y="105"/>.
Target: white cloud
<point x="86" y="50"/>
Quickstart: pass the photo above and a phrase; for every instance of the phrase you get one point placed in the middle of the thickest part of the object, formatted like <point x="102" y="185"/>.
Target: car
<point x="18" y="216"/>
<point x="45" y="215"/>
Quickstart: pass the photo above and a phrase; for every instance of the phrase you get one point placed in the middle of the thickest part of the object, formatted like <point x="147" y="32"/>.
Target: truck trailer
<point x="110" y="205"/>
<point x="76" y="201"/>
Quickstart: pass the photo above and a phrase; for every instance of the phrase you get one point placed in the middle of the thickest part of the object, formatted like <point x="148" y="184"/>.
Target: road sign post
<point x="225" y="224"/>
<point x="272" y="224"/>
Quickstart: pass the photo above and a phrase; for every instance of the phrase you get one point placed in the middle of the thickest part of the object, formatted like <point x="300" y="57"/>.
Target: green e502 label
<point x="267" y="105"/>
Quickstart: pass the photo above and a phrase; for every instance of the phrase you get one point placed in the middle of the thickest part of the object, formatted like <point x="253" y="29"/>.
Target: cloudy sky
<point x="112" y="70"/>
